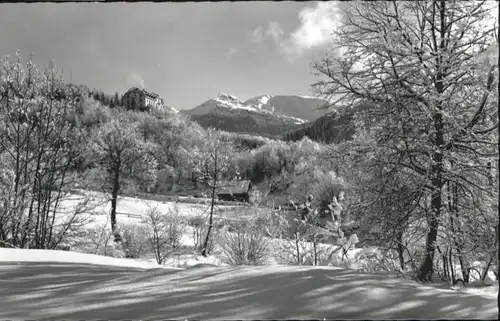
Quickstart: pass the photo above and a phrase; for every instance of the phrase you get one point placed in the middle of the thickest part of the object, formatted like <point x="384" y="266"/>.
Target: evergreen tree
<point x="116" y="99"/>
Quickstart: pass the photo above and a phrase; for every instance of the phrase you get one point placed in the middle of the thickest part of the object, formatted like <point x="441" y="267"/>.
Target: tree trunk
<point x="210" y="222"/>
<point x="446" y="264"/>
<point x="114" y="199"/>
<point x="400" y="249"/>
<point x="194" y="180"/>
<point x="427" y="266"/>
<point x="457" y="233"/>
<point x="437" y="166"/>
<point x="443" y="257"/>
<point x="445" y="267"/>
<point x="299" y="259"/>
<point x="464" y="266"/>
<point x="486" y="269"/>
<point x="452" y="269"/>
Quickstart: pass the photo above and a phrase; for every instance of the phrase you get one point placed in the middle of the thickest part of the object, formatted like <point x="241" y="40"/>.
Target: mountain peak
<point x="227" y="97"/>
<point x="278" y="109"/>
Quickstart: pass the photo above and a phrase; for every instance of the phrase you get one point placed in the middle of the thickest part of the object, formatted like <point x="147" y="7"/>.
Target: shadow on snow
<point x="82" y="291"/>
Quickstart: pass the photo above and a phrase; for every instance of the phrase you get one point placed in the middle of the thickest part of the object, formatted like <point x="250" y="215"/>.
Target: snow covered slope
<point x="300" y="107"/>
<point x="227" y="112"/>
<point x="258" y="105"/>
<point x="23" y="256"/>
<point x="45" y="290"/>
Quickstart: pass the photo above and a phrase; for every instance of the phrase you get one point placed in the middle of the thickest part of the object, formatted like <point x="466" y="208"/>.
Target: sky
<point x="186" y="52"/>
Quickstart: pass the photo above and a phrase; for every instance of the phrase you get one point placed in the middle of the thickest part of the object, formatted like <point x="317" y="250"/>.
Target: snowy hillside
<point x="259" y="105"/>
<point x="75" y="289"/>
<point x="47" y="284"/>
<point x="301" y="107"/>
<point x="257" y="116"/>
<point x="50" y="256"/>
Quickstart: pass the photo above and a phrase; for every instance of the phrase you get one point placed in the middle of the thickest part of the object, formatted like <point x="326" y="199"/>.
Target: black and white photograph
<point x="249" y="160"/>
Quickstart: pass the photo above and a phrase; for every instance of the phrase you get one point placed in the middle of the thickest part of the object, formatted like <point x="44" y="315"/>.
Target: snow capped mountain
<point x="262" y="114"/>
<point x="259" y="101"/>
<point x="229" y="101"/>
<point x="259" y="105"/>
<point x="299" y="107"/>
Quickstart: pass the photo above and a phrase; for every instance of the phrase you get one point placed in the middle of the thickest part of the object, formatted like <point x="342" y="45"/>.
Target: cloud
<point x="257" y="34"/>
<point x="231" y="52"/>
<point x="315" y="29"/>
<point x="135" y="80"/>
<point x="275" y="31"/>
<point x="316" y="25"/>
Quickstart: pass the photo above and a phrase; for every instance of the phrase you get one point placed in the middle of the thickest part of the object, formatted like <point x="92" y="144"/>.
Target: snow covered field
<point x="127" y="208"/>
<point x="357" y="258"/>
<point x="42" y="285"/>
<point x="183" y="257"/>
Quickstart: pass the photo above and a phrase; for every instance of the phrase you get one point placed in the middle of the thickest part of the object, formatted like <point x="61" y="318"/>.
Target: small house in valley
<point x="238" y="191"/>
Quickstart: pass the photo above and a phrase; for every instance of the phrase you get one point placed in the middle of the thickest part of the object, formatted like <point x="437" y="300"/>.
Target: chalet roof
<point x="234" y="187"/>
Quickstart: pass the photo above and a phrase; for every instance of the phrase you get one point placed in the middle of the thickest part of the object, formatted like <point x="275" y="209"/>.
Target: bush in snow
<point x="164" y="232"/>
<point x="245" y="245"/>
<point x="376" y="260"/>
<point x="100" y="237"/>
<point x="134" y="240"/>
<point x="98" y="240"/>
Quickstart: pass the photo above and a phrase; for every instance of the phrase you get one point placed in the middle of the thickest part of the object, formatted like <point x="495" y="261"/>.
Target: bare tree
<point x="164" y="232"/>
<point x="40" y="144"/>
<point x="123" y="153"/>
<point x="424" y="93"/>
<point x="210" y="161"/>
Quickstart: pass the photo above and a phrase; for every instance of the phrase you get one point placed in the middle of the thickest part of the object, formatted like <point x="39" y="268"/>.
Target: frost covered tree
<point x="419" y="78"/>
<point x="39" y="147"/>
<point x="122" y="153"/>
<point x="210" y="162"/>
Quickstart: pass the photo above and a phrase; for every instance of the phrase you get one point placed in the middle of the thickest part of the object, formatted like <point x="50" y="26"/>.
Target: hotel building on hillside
<point x="140" y="99"/>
